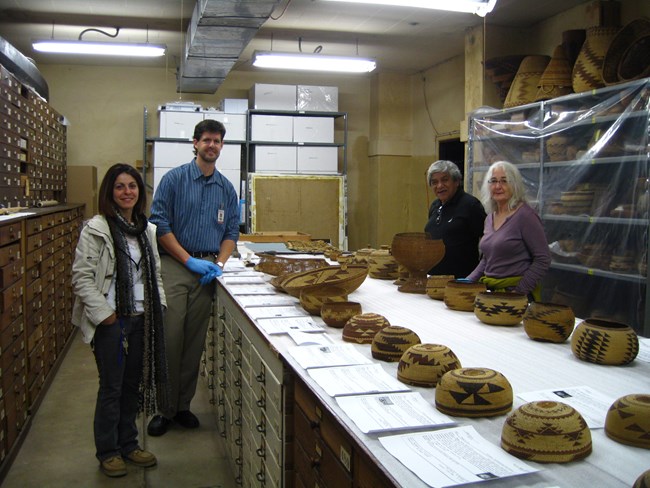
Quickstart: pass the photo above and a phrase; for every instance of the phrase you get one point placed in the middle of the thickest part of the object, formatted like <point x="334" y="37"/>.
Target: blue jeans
<point x="120" y="374"/>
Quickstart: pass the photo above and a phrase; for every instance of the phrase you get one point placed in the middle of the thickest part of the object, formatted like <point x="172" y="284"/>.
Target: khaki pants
<point x="189" y="305"/>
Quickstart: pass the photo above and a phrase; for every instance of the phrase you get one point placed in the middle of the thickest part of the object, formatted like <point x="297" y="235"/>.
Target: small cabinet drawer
<point x="9" y="254"/>
<point x="10" y="273"/>
<point x="10" y="233"/>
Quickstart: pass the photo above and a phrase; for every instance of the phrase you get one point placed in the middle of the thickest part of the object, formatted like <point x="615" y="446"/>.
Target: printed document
<point x="327" y="356"/>
<point x="454" y="456"/>
<point x="285" y="324"/>
<point x="355" y="380"/>
<point x="392" y="411"/>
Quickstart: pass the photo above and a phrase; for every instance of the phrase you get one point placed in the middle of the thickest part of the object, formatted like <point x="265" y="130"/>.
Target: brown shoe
<point x="113" y="467"/>
<point x="141" y="458"/>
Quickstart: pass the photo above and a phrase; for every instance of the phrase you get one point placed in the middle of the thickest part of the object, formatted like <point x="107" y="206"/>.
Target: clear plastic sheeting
<point x="584" y="159"/>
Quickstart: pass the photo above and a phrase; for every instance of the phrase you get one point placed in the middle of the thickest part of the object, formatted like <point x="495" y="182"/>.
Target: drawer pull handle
<point x="260" y="377"/>
<point x="261" y="428"/>
<point x="261" y="403"/>
<point x="260" y="452"/>
<point x="314" y="424"/>
<point x="239" y="461"/>
<point x="238" y="441"/>
<point x="260" y="476"/>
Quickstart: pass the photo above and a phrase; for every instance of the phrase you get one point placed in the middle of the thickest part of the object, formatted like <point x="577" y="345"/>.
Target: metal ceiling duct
<point x="218" y="33"/>
<point x="23" y="69"/>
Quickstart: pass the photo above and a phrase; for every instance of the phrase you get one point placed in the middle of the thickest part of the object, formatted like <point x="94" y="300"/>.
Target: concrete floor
<point x="59" y="450"/>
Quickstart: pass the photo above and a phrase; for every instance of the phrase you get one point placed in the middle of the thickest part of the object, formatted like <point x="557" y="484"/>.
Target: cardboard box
<point x="235" y="124"/>
<point x="82" y="187"/>
<point x="281" y="236"/>
<point x="321" y="160"/>
<point x="317" y="98"/>
<point x="264" y="96"/>
<point x="275" y="159"/>
<point x="178" y="124"/>
<point x="234" y="105"/>
<point x="272" y="128"/>
<point x="313" y="129"/>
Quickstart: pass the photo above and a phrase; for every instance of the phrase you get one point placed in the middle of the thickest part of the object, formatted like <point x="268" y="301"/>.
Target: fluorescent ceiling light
<point x="312" y="62"/>
<point x="100" y="48"/>
<point x="478" y="7"/>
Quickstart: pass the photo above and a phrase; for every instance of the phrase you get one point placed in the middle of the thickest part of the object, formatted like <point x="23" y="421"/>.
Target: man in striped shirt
<point x="197" y="214"/>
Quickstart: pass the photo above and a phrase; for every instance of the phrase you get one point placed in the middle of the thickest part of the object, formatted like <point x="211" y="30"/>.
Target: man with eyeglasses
<point x="455" y="217"/>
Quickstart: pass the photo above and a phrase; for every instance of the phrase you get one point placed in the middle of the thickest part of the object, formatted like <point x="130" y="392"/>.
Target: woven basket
<point x="424" y="364"/>
<point x="556" y="147"/>
<point x="362" y="328"/>
<point x="556" y="78"/>
<point x="587" y="72"/>
<point x="549" y="322"/>
<point x="436" y="285"/>
<point x="474" y="392"/>
<point x="501" y="71"/>
<point x="312" y="299"/>
<point x="336" y="314"/>
<point x="496" y="308"/>
<point x="546" y="432"/>
<point x="604" y="342"/>
<point x="643" y="481"/>
<point x="524" y="85"/>
<point x="460" y="295"/>
<point x="390" y="343"/>
<point x="628" y="420"/>
<point x="628" y="55"/>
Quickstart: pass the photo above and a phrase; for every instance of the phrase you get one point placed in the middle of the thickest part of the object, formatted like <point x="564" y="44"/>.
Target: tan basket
<point x="546" y="432"/>
<point x="424" y="364"/>
<point x="336" y="314"/>
<point x="474" y="392"/>
<point x="587" y="72"/>
<point x="549" y="322"/>
<point x="524" y="85"/>
<point x="362" y="328"/>
<point x="390" y="343"/>
<point x="628" y="420"/>
<point x="460" y="295"/>
<point x="604" y="342"/>
<point x="495" y="308"/>
<point x="556" y="78"/>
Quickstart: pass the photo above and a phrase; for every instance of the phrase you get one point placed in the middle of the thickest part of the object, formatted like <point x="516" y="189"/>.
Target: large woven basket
<point x="524" y="86"/>
<point x="587" y="72"/>
<point x="282" y="265"/>
<point x="628" y="55"/>
<point x="346" y="277"/>
<point x="556" y="78"/>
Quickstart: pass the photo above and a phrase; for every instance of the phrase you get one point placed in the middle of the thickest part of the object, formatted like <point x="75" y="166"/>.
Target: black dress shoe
<point x="158" y="425"/>
<point x="187" y="419"/>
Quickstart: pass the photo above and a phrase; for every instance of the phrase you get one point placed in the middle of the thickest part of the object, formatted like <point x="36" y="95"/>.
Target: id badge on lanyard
<point x="221" y="215"/>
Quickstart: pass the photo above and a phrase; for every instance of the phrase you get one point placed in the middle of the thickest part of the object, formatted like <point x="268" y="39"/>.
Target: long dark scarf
<point x="154" y="387"/>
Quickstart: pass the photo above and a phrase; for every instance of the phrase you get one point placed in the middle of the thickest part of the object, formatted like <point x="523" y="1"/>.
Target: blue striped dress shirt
<point x="188" y="204"/>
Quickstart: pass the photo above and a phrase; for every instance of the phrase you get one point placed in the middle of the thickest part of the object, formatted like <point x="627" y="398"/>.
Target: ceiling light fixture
<point x="136" y="49"/>
<point x="313" y="62"/>
<point x="478" y="7"/>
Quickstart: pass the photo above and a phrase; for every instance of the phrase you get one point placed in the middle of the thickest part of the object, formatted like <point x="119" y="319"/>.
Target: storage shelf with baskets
<point x="585" y="161"/>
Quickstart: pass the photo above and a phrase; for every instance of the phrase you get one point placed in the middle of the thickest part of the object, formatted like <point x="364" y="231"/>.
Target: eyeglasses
<point x="494" y="181"/>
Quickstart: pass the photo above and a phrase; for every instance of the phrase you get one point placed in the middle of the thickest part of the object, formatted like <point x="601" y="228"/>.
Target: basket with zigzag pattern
<point x="604" y="342"/>
<point x="500" y="308"/>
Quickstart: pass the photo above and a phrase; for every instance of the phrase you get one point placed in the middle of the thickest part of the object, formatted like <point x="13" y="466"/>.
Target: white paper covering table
<point x="527" y="364"/>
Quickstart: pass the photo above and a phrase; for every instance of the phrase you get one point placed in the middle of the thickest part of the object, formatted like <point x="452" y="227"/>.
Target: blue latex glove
<point x="200" y="266"/>
<point x="464" y="280"/>
<point x="208" y="277"/>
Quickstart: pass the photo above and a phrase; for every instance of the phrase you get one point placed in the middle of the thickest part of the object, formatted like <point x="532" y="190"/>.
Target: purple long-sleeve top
<point x="517" y="248"/>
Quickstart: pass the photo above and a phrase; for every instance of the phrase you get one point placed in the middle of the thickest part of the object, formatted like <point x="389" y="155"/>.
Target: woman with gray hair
<point x="514" y="247"/>
<point x="455" y="217"/>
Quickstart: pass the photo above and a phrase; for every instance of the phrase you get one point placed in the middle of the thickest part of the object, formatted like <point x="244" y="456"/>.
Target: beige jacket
<point x="92" y="271"/>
